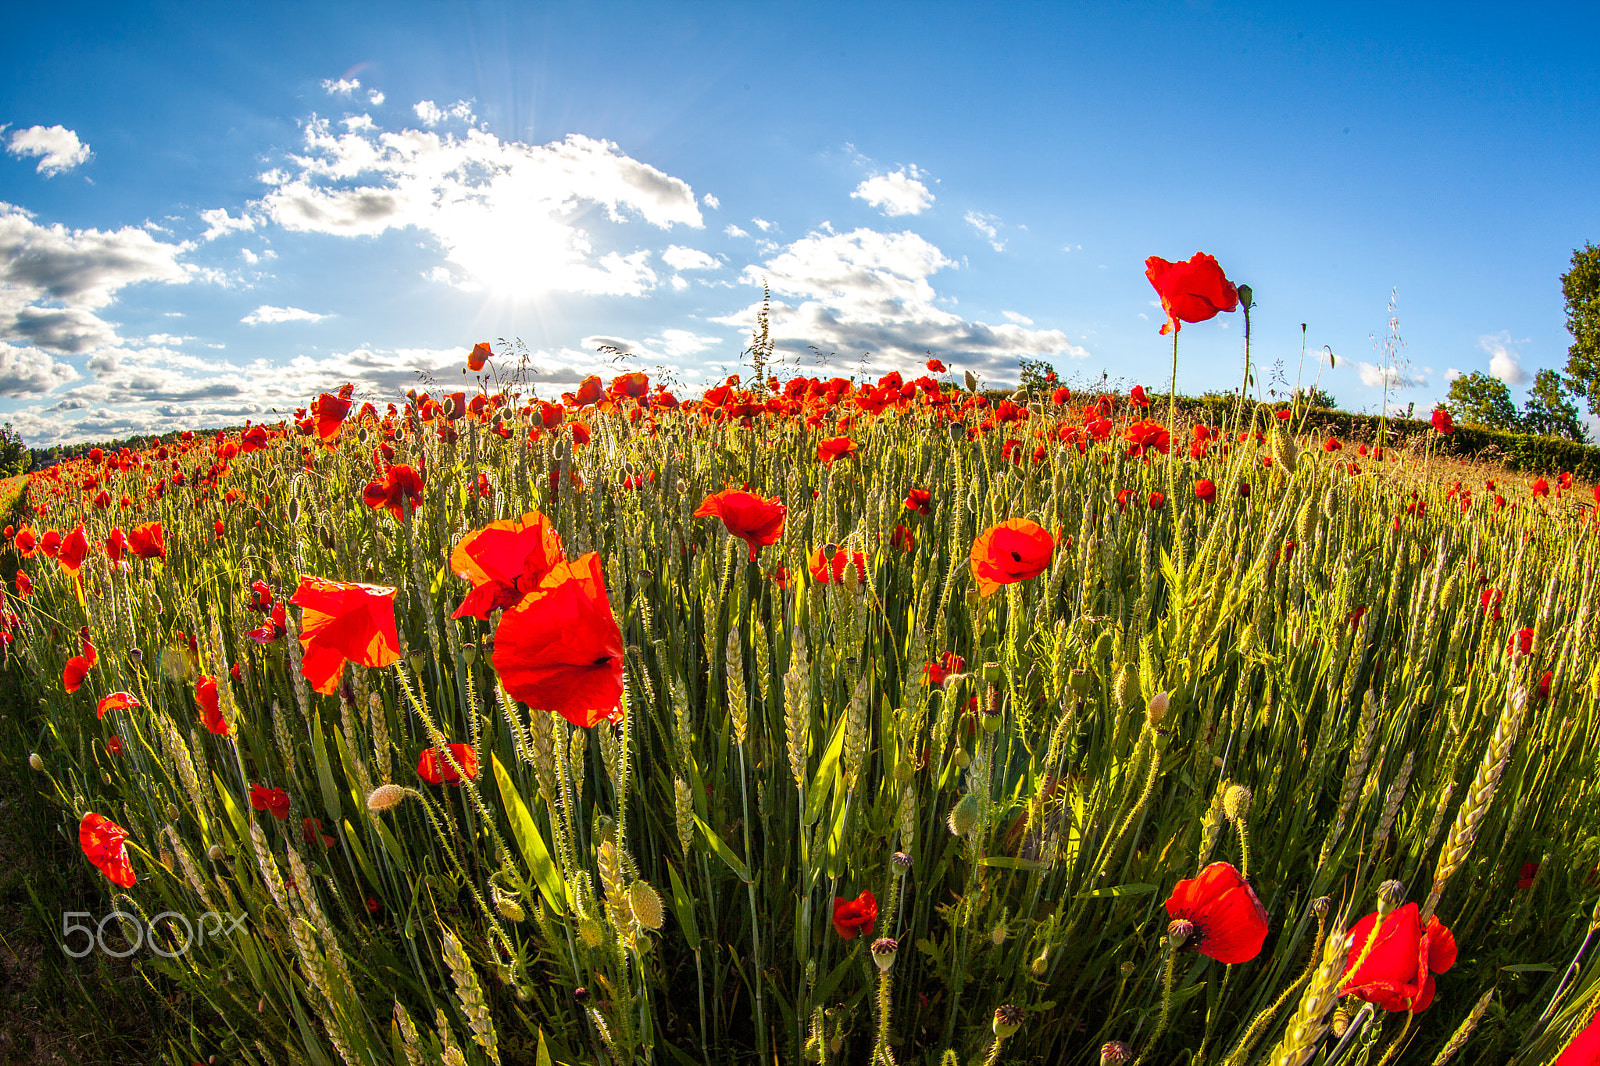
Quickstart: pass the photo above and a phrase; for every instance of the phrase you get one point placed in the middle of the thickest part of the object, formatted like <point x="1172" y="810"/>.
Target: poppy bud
<point x="136" y="655"/>
<point x="469" y="652"/>
<point x="645" y="903"/>
<point x="1321" y="905"/>
<point x="971" y="380"/>
<point x="36" y="761"/>
<point x="1390" y="895"/>
<point x="1040" y="964"/>
<point x="1115" y="1053"/>
<point x="172" y="812"/>
<point x="1007" y="1020"/>
<point x="166" y="858"/>
<point x="961" y="758"/>
<point x="883" y="952"/>
<point x="1244" y="298"/>
<point x="1156" y="709"/>
<point x="385" y="797"/>
<point x="214" y="853"/>
<point x="1127" y="970"/>
<point x="580" y="994"/>
<point x="326" y="536"/>
<point x="964" y="815"/>
<point x="294" y="511"/>
<point x="1080" y="681"/>
<point x="1126" y="688"/>
<point x="1236" y="802"/>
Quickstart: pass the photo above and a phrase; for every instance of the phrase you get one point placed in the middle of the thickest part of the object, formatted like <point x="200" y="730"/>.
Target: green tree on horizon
<point x="1478" y="399"/>
<point x="1549" y="413"/>
<point x="1581" y="287"/>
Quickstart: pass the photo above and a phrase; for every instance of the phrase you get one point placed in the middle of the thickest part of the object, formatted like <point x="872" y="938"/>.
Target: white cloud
<point x="1012" y="316"/>
<point x="249" y="257"/>
<point x="734" y="231"/>
<point x="681" y="342"/>
<point x="1451" y="373"/>
<point x="988" y="225"/>
<point x="375" y="98"/>
<point x="509" y="216"/>
<point x="1504" y="362"/>
<point x="680" y="258"/>
<point x="341" y="87"/>
<point x="268" y="315"/>
<point x="711" y="201"/>
<point x="431" y="114"/>
<point x="900" y="192"/>
<point x="678" y="282"/>
<point x="1375" y="377"/>
<point x="53" y="280"/>
<point x="57" y="147"/>
<point x="762" y="224"/>
<point x="31" y="372"/>
<point x="219" y="223"/>
<point x="868" y="291"/>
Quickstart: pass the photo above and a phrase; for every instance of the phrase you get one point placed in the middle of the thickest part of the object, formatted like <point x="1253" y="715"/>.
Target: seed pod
<point x="1236" y="802"/>
<point x="883" y="952"/>
<point x="36" y="761"/>
<point x="964" y="815"/>
<point x="1007" y="1020"/>
<point x="645" y="903"/>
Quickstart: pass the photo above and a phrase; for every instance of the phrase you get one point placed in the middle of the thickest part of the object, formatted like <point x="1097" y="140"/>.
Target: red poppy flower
<point x="1158" y="500"/>
<point x="1441" y="420"/>
<point x="1205" y="490"/>
<point x="275" y="800"/>
<point x="311" y="832"/>
<point x="74" y="548"/>
<point x="1541" y="487"/>
<point x="399" y="488"/>
<point x="1520" y="644"/>
<point x="855" y="916"/>
<point x="478" y="356"/>
<point x="1583" y="1049"/>
<point x="746" y="515"/>
<point x="902" y="539"/>
<point x="832" y="448"/>
<point x="26" y="542"/>
<point x="831" y="571"/>
<point x="936" y="672"/>
<point x="505" y="561"/>
<point x="920" y="501"/>
<point x="209" y="698"/>
<point x="116" y="701"/>
<point x="589" y="391"/>
<point x="116" y="544"/>
<point x="1015" y="550"/>
<point x="50" y="543"/>
<point x="102" y="841"/>
<point x="272" y="629"/>
<point x="1138" y="396"/>
<point x="1528" y="874"/>
<point x="114" y="746"/>
<point x="340" y="622"/>
<point x="1398" y="973"/>
<point x="435" y="769"/>
<point x="560" y="650"/>
<point x="77" y="667"/>
<point x="24" y="584"/>
<point x="635" y="384"/>
<point x="328" y="412"/>
<point x="148" y="541"/>
<point x="1191" y="291"/>
<point x="1145" y="435"/>
<point x="936" y="366"/>
<point x="1544" y="684"/>
<point x="1229" y="921"/>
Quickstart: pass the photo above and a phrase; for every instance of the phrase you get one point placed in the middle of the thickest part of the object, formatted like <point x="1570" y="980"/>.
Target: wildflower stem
<point x="755" y="925"/>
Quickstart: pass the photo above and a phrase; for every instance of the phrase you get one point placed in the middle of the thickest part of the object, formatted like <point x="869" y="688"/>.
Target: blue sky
<point x="210" y="212"/>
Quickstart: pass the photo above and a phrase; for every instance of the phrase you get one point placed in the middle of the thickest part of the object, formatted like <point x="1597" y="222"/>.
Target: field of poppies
<point x="881" y="722"/>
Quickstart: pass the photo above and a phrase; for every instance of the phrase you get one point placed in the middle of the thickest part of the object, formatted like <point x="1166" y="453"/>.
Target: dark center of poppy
<point x="602" y="660"/>
<point x="1017" y="556"/>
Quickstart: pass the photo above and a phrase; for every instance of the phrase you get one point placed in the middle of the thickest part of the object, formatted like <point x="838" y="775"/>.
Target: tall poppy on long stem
<point x="560" y="649"/>
<point x="746" y="515"/>
<point x="505" y="561"/>
<point x="344" y="621"/>
<point x="1229" y="921"/>
<point x="1405" y="954"/>
<point x="1015" y="550"/>
<point x="102" y="841"/>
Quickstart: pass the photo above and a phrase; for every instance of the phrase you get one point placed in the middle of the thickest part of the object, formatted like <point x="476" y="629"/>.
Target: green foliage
<point x="1549" y="413"/>
<point x="1036" y="373"/>
<point x="1581" y="287"/>
<point x="1316" y="396"/>
<point x="14" y="455"/>
<point x="1477" y="399"/>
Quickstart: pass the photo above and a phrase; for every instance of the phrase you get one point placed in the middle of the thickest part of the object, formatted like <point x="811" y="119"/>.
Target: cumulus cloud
<point x="868" y="291"/>
<point x="1377" y="377"/>
<point x="734" y="231"/>
<point x="57" y="148"/>
<point x="1504" y="362"/>
<point x="711" y="201"/>
<point x="680" y="258"/>
<point x="375" y="98"/>
<point x="268" y="315"/>
<point x="219" y="223"/>
<point x="53" y="280"/>
<point x="508" y="216"/>
<point x="340" y="86"/>
<point x="989" y="226"/>
<point x="1451" y="373"/>
<point x="431" y="114"/>
<point x="899" y="192"/>
<point x="29" y="371"/>
<point x="1012" y="316"/>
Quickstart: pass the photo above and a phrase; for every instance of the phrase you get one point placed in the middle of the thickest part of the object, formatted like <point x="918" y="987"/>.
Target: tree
<point x="15" y="458"/>
<point x="1549" y="413"/>
<point x="1317" y="396"/>
<point x="1476" y="399"/>
<point x="1581" y="287"/>
<point x="1036" y="373"/>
